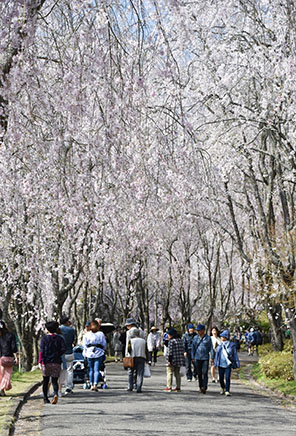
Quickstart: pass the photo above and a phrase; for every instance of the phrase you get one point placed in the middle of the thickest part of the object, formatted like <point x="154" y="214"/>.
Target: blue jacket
<point x="69" y="337"/>
<point x="231" y="352"/>
<point x="187" y="341"/>
<point x="202" y="347"/>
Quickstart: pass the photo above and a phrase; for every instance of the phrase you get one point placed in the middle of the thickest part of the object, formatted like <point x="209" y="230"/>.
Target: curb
<point x="13" y="413"/>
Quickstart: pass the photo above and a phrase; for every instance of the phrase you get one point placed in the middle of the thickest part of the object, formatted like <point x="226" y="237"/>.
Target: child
<point x="225" y="359"/>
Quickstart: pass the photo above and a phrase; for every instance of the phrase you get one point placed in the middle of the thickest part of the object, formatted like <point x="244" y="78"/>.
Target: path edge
<point x="14" y="410"/>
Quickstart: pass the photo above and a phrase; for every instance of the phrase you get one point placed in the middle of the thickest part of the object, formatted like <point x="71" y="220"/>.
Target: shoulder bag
<point x="128" y="362"/>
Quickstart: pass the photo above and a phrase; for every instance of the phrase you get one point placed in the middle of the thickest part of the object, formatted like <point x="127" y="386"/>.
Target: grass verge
<point x="20" y="384"/>
<point x="280" y="385"/>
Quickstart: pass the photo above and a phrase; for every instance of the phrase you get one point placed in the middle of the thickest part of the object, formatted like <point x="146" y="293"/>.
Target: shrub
<point x="277" y="365"/>
<point x="265" y="349"/>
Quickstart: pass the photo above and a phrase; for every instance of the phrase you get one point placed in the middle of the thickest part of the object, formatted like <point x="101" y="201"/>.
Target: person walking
<point x="216" y="341"/>
<point x="117" y="344"/>
<point x="94" y="346"/>
<point x="153" y="345"/>
<point x="165" y="341"/>
<point x="201" y="350"/>
<point x="8" y="356"/>
<point x="138" y="352"/>
<point x="187" y="343"/>
<point x="68" y="334"/>
<point x="122" y="339"/>
<point x="226" y="359"/>
<point x="52" y="347"/>
<point x="131" y="324"/>
<point x="175" y="359"/>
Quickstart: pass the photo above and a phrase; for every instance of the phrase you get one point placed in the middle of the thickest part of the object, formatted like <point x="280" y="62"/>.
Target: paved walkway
<point x="116" y="412"/>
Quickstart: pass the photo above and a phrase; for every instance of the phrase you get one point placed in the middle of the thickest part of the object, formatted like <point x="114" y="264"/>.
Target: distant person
<point x="202" y="349"/>
<point x="153" y="345"/>
<point x="165" y="341"/>
<point x="175" y="359"/>
<point x="138" y="352"/>
<point x="131" y="324"/>
<point x="187" y="343"/>
<point x="117" y="344"/>
<point x="69" y="336"/>
<point x="236" y="340"/>
<point x="94" y="346"/>
<point x="122" y="339"/>
<point x="83" y="332"/>
<point x="8" y="356"/>
<point x="216" y="341"/>
<point x="52" y="347"/>
<point x="226" y="359"/>
<point x="250" y="341"/>
<point x="258" y="340"/>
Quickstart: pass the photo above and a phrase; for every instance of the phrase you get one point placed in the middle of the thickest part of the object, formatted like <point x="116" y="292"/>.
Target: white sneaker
<point x="228" y="394"/>
<point x="60" y="394"/>
<point x="222" y="392"/>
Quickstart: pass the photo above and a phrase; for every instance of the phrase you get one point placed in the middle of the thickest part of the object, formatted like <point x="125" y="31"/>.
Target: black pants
<point x="45" y="384"/>
<point x="154" y="353"/>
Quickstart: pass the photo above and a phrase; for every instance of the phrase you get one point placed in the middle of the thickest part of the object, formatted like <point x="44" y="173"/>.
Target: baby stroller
<point x="80" y="370"/>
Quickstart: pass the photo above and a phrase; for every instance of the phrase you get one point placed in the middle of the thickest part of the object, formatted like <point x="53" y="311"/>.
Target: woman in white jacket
<point x="153" y="345"/>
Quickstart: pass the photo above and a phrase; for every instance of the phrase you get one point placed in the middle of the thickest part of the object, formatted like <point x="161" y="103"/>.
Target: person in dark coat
<point x="8" y="356"/>
<point x="175" y="359"/>
<point x="52" y="347"/>
<point x="187" y="343"/>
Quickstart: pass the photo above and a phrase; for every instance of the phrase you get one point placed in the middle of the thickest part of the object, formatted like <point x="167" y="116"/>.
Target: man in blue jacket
<point x="69" y="335"/>
<point x="187" y="343"/>
<point x="202" y="349"/>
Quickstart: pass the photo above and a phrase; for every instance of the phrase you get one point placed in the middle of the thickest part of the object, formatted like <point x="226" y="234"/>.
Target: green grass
<point x="20" y="383"/>
<point x="280" y="385"/>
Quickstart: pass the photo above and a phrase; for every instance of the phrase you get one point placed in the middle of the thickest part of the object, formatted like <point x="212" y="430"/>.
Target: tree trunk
<point x="274" y="313"/>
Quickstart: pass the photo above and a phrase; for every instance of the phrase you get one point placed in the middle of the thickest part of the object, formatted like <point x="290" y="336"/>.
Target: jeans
<point x="66" y="376"/>
<point x="94" y="365"/>
<point x="188" y="364"/>
<point x="137" y="372"/>
<point x="201" y="368"/>
<point x="227" y="373"/>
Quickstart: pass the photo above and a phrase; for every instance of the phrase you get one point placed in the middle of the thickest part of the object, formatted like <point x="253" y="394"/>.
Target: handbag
<point x="128" y="362"/>
<point x="6" y="362"/>
<point x="147" y="372"/>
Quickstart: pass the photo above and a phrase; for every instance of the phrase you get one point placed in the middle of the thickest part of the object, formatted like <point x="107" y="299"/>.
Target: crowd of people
<point x="194" y="353"/>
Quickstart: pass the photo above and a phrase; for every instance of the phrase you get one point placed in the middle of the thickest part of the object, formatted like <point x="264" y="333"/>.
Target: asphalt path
<point x="117" y="412"/>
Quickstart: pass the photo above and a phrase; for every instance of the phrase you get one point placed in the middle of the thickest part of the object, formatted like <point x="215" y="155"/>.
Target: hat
<point x="154" y="328"/>
<point x="87" y="324"/>
<point x="225" y="334"/>
<point x="64" y="319"/>
<point x="190" y="326"/>
<point x="200" y="327"/>
<point x="130" y="321"/>
<point x="172" y="332"/>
